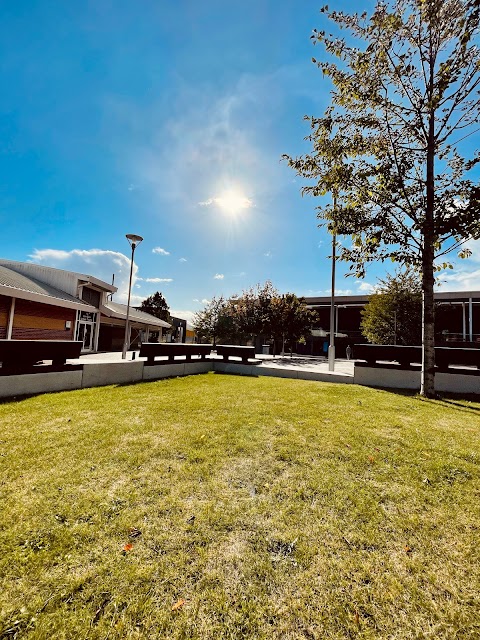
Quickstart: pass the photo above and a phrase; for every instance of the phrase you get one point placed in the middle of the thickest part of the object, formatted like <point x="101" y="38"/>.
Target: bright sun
<point x="232" y="202"/>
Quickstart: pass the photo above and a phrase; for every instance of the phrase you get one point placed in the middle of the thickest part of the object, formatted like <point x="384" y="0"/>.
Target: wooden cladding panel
<point x="35" y="321"/>
<point x="5" y="303"/>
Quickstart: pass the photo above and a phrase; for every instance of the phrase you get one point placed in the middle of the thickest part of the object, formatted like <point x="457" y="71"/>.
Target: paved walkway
<point x="296" y="364"/>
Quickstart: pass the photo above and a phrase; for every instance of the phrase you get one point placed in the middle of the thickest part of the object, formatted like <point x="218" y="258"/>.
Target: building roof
<point x="117" y="310"/>
<point x="18" y="285"/>
<point x="31" y="269"/>
<point x="358" y="300"/>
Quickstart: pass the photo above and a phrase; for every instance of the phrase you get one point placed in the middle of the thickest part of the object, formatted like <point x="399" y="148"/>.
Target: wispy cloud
<point x="183" y="260"/>
<point x="205" y="301"/>
<point x="231" y="140"/>
<point x="160" y="251"/>
<point x="268" y="254"/>
<point x="219" y="276"/>
<point x="158" y="279"/>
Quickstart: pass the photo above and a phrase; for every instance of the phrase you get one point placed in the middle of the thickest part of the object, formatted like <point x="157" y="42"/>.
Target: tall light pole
<point x="134" y="241"/>
<point x="331" y="347"/>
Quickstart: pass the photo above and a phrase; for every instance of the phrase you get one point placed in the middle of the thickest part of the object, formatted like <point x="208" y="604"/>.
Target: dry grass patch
<point x="224" y="507"/>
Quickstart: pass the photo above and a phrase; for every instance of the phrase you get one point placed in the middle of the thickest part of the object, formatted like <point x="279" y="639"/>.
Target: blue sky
<point x="166" y="119"/>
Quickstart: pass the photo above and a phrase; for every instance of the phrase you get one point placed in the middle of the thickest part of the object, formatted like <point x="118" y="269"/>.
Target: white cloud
<point x="338" y="292"/>
<point x="218" y="276"/>
<point x="184" y="314"/>
<point x="465" y="276"/>
<point x="459" y="280"/>
<point x="229" y="201"/>
<point x="160" y="251"/>
<point x="366" y="287"/>
<point x="268" y="254"/>
<point x="205" y="301"/>
<point x="195" y="300"/>
<point x="158" y="279"/>
<point x="182" y="260"/>
<point x="100" y="263"/>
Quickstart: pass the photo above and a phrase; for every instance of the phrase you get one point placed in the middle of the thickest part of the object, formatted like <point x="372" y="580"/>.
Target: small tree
<point x="290" y="319"/>
<point x="213" y="321"/>
<point x="252" y="311"/>
<point x="389" y="147"/>
<point x="393" y="314"/>
<point x="157" y="306"/>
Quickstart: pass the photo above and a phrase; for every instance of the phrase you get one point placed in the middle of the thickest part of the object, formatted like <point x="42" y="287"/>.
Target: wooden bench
<point x="23" y="356"/>
<point x="408" y="355"/>
<point x="228" y="350"/>
<point x="172" y="350"/>
<point x="404" y="355"/>
<point x="447" y="356"/>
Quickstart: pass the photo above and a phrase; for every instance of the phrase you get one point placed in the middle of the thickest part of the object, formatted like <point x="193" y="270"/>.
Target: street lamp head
<point x="133" y="240"/>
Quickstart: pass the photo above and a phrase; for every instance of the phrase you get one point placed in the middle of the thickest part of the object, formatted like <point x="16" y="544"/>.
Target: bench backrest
<point x="18" y="352"/>
<point x="405" y="355"/>
<point x="235" y="350"/>
<point x="152" y="349"/>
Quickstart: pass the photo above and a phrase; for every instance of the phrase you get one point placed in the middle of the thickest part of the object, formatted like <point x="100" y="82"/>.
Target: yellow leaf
<point x="178" y="604"/>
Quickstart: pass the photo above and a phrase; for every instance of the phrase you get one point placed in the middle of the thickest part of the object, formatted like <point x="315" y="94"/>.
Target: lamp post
<point x="331" y="347"/>
<point x="134" y="241"/>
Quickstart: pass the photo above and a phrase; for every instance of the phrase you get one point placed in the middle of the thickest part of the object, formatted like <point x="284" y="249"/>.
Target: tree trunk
<point x="427" y="387"/>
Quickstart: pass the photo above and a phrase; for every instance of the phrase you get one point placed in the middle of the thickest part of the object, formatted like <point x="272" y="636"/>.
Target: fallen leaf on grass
<point x="178" y="604"/>
<point x="371" y="460"/>
<point x="408" y="549"/>
<point x="357" y="618"/>
<point x="128" y="547"/>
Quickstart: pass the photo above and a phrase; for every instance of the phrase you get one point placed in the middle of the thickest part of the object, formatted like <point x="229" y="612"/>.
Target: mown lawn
<point x="225" y="507"/>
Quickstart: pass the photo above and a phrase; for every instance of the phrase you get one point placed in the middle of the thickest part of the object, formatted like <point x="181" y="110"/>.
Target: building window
<point x="91" y="296"/>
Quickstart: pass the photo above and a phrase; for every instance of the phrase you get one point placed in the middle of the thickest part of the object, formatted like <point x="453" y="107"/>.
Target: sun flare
<point x="232" y="202"/>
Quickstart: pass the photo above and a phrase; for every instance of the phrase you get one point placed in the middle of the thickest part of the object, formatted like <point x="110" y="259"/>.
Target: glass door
<point x="85" y="333"/>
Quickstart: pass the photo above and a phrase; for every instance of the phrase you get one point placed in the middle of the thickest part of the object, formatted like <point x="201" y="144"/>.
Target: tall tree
<point x="393" y="314"/>
<point x="157" y="306"/>
<point x="392" y="144"/>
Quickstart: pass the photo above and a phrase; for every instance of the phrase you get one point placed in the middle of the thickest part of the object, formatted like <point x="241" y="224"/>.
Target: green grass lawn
<point x="226" y="507"/>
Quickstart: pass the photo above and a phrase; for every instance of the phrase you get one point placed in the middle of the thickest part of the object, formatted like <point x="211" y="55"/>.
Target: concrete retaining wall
<point x="387" y="378"/>
<point x="30" y="383"/>
<point x="106" y="373"/>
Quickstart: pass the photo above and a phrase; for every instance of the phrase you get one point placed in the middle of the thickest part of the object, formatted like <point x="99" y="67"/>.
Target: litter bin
<point x="265" y="349"/>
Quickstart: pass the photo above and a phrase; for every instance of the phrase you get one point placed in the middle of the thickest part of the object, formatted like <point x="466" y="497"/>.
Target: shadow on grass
<point x="450" y="400"/>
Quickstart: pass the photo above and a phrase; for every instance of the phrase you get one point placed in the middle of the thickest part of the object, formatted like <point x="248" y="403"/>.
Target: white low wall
<point x="96" y="374"/>
<point x="387" y="378"/>
<point x="99" y="374"/>
<point x="239" y="369"/>
<point x="407" y="379"/>
<point x="130" y="371"/>
<point x="31" y="383"/>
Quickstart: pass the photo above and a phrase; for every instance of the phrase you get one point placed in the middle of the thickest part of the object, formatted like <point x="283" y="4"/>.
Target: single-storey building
<point x="457" y="320"/>
<point x="43" y="303"/>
